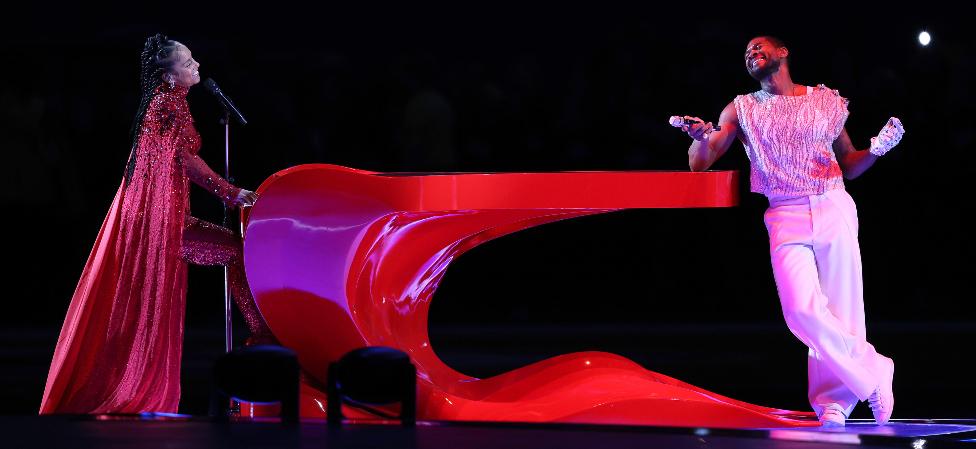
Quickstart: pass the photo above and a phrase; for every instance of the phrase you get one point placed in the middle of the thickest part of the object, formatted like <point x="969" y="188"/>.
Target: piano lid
<point x="418" y="192"/>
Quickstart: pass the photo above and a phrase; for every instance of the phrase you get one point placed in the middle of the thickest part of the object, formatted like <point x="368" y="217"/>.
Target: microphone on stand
<point x="229" y="109"/>
<point x="224" y="101"/>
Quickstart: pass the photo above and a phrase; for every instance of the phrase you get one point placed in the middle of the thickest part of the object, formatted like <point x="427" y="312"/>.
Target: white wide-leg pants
<point x="817" y="266"/>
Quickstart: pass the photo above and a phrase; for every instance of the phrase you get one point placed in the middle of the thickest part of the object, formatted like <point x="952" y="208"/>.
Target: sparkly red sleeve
<point x="200" y="173"/>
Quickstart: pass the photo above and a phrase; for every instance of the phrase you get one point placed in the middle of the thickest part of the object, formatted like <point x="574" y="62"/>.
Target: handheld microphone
<point x="678" y="122"/>
<point x="224" y="101"/>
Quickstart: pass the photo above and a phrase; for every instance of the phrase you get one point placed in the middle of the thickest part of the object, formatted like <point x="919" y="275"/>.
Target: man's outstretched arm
<point x="709" y="145"/>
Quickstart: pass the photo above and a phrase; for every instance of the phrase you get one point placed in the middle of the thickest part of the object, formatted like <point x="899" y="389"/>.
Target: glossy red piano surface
<point x="339" y="258"/>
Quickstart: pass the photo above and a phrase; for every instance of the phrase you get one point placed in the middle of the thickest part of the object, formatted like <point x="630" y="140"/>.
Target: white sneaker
<point x="882" y="401"/>
<point x="833" y="416"/>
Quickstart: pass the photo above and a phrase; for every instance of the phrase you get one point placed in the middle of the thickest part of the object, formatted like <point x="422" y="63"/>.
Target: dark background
<point x="489" y="86"/>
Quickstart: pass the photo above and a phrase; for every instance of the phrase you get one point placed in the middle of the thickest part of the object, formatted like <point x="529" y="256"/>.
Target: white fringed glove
<point x="889" y="136"/>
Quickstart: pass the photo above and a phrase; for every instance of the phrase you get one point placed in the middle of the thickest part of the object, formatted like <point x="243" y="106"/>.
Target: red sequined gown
<point x="120" y="346"/>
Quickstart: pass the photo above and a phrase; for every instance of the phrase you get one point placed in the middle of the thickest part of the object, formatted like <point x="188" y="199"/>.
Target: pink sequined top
<point x="788" y="140"/>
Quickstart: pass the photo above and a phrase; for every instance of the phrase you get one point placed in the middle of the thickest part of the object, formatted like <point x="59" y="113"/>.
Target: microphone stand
<point x="228" y="325"/>
<point x="235" y="407"/>
<point x="225" y="120"/>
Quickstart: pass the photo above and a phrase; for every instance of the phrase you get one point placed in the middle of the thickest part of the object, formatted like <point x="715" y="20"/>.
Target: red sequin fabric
<point x="120" y="346"/>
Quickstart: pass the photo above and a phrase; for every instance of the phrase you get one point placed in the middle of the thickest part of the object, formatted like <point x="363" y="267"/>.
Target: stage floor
<point x="675" y="351"/>
<point x="152" y="432"/>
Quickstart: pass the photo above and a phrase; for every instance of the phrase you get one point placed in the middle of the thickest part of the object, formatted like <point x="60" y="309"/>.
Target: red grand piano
<point x="340" y="258"/>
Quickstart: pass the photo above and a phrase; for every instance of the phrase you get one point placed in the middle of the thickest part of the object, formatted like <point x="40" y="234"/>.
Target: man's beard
<point x="768" y="69"/>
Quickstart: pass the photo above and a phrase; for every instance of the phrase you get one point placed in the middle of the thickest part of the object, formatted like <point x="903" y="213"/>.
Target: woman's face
<point x="185" y="70"/>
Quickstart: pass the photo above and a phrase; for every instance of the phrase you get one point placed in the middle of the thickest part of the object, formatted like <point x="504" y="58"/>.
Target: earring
<point x="172" y="84"/>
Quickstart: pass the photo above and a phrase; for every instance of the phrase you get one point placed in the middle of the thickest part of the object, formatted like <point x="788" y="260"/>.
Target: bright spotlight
<point x="924" y="38"/>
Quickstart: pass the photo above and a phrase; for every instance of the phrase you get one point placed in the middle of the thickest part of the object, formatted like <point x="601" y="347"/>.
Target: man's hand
<point x="699" y="130"/>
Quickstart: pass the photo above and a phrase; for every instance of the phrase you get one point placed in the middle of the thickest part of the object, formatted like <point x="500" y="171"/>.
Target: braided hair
<point x="157" y="58"/>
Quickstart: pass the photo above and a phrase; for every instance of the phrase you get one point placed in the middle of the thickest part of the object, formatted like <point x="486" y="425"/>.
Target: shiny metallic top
<point x="788" y="140"/>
